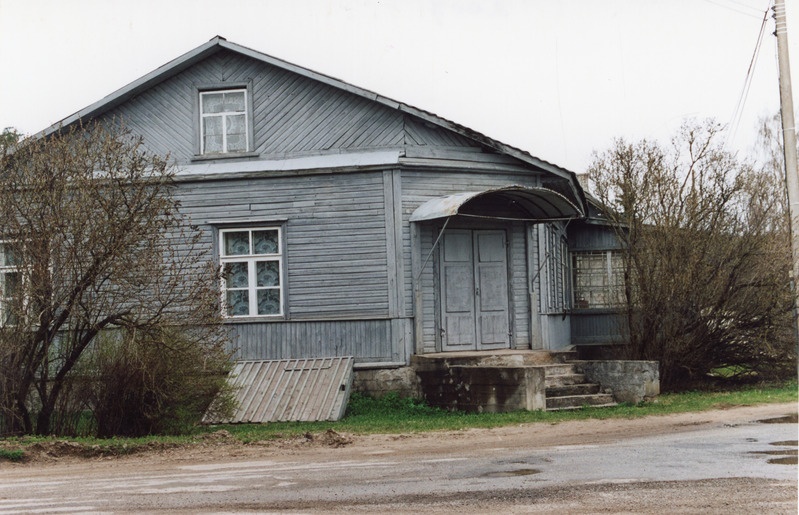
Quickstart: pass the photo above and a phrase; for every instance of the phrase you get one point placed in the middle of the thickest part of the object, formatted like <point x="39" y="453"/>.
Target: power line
<point x="736" y="7"/>
<point x="738" y="112"/>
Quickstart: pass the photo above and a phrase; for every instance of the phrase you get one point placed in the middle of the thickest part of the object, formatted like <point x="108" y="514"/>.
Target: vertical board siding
<point x="369" y="341"/>
<point x="421" y="186"/>
<point x="335" y="235"/>
<point x="520" y="298"/>
<point x="598" y="328"/>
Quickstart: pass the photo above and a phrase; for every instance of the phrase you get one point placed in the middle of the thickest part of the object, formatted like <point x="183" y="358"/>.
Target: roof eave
<point x="130" y="90"/>
<point x="217" y="43"/>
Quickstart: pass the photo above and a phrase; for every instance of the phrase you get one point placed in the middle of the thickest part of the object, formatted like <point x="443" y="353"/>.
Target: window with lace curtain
<point x="10" y="282"/>
<point x="252" y="271"/>
<point x="224" y="121"/>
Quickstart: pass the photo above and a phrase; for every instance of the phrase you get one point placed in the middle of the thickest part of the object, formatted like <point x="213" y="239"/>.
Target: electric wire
<point x="736" y="7"/>
<point x="735" y="120"/>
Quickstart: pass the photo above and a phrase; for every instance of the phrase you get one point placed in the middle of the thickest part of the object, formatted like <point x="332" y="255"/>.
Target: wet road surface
<point x="743" y="466"/>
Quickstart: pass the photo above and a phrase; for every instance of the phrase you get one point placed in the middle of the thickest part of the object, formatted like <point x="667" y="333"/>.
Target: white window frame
<point x="252" y="259"/>
<point x="609" y="293"/>
<point x="7" y="269"/>
<point x="224" y="115"/>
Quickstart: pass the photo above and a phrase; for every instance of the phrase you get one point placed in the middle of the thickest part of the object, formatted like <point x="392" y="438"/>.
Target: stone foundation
<point x="483" y="382"/>
<point x="630" y="381"/>
<point x="380" y="381"/>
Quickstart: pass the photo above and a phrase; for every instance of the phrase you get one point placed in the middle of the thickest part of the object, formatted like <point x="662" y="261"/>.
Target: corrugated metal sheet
<point x="304" y="390"/>
<point x="512" y="202"/>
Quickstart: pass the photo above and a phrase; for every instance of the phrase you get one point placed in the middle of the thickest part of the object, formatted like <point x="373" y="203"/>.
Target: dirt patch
<point x="222" y="445"/>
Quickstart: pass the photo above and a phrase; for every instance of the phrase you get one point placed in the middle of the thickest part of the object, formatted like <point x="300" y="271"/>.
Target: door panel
<point x="474" y="290"/>
<point x="457" y="292"/>
<point x="492" y="290"/>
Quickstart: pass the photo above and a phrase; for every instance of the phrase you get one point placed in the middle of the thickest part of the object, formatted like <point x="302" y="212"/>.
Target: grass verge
<point x="393" y="415"/>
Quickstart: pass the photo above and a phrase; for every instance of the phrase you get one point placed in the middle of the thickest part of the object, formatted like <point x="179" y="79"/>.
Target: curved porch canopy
<point x="506" y="203"/>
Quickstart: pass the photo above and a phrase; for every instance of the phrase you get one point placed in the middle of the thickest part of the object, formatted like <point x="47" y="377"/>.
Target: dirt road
<point x="720" y="461"/>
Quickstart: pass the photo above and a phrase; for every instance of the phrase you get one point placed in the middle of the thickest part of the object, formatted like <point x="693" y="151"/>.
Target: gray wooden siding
<point x="583" y="236"/>
<point x="369" y="341"/>
<point x="420" y="186"/>
<point x="335" y="234"/>
<point x="419" y="133"/>
<point x="291" y="114"/>
<point x="598" y="328"/>
<point x="520" y="299"/>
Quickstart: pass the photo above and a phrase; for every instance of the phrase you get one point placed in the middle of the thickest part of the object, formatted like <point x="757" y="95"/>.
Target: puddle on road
<point x="787" y="456"/>
<point x="787" y="419"/>
<point x="512" y="473"/>
<point x="788" y="460"/>
<point x="787" y="452"/>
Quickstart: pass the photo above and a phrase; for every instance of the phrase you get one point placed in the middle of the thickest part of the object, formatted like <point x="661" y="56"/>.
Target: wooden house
<point x="351" y="224"/>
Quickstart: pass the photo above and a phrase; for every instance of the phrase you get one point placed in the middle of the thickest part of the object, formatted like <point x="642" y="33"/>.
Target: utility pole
<point x="789" y="145"/>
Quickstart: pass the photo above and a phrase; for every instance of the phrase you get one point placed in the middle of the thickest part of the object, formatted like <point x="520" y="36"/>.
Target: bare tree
<point x="93" y="244"/>
<point x="706" y="255"/>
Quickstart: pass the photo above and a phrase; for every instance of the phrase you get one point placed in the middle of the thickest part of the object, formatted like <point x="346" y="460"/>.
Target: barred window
<point x="557" y="266"/>
<point x="598" y="279"/>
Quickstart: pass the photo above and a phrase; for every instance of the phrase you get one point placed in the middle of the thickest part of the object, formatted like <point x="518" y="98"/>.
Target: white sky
<point x="558" y="79"/>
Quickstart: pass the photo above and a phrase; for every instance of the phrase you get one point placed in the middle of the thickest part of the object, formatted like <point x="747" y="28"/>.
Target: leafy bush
<point x="162" y="382"/>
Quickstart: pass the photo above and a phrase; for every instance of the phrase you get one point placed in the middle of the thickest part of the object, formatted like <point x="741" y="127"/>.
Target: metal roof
<point x="509" y="203"/>
<point x="303" y="390"/>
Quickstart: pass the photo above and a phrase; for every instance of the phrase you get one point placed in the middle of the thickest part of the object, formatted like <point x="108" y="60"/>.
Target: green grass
<point x="393" y="415"/>
<point x="12" y="455"/>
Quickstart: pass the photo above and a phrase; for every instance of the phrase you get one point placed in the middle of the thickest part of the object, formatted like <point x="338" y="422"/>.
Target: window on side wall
<point x="557" y="262"/>
<point x="252" y="272"/>
<point x="224" y="121"/>
<point x="10" y="282"/>
<point x="598" y="278"/>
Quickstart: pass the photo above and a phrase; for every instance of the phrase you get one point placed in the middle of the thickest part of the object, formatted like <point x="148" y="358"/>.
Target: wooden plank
<point x="280" y="390"/>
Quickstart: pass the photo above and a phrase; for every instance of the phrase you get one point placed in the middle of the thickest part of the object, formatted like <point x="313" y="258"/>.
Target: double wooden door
<point x="473" y="277"/>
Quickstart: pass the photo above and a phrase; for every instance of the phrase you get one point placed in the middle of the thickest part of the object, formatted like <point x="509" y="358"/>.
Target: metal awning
<point x="507" y="203"/>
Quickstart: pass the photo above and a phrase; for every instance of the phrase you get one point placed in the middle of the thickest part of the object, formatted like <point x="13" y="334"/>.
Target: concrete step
<point x="580" y="401"/>
<point x="563" y="380"/>
<point x="559" y="369"/>
<point x="503" y="358"/>
<point x="572" y="389"/>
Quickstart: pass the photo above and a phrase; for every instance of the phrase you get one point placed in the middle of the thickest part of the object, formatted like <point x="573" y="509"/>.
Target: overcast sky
<point x="558" y="79"/>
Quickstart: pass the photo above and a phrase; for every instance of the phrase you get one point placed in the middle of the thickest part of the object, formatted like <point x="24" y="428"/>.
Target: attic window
<point x="224" y="121"/>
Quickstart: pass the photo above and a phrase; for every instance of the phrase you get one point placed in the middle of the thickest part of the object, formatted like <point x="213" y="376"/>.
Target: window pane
<point x="236" y="143"/>
<point x="237" y="275"/>
<point x="234" y="101"/>
<point x="212" y="102"/>
<point x="264" y="242"/>
<point x="238" y="303"/>
<point x="236" y="133"/>
<point x="212" y="134"/>
<point x="268" y="273"/>
<point x="7" y="254"/>
<point x="269" y="302"/>
<point x="10" y="284"/>
<point x="237" y="243"/>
